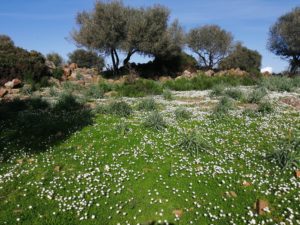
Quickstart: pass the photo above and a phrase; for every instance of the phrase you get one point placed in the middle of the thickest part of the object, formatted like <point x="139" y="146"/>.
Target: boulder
<point x="163" y="79"/>
<point x="67" y="71"/>
<point x="73" y="66"/>
<point x="209" y="73"/>
<point x="261" y="206"/>
<point x="3" y="92"/>
<point x="13" y="84"/>
<point x="51" y="66"/>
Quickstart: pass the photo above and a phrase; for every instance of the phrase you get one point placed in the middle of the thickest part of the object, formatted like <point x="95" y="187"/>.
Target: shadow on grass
<point x="32" y="126"/>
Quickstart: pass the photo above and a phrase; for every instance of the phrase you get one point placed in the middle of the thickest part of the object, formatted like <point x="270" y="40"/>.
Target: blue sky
<point x="44" y="25"/>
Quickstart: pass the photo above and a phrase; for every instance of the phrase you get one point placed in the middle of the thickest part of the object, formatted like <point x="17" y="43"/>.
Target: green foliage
<point x="57" y="73"/>
<point x="37" y="103"/>
<point x="192" y="143"/>
<point x="127" y="29"/>
<point x="277" y="83"/>
<point x="87" y="59"/>
<point x="67" y="102"/>
<point x="167" y="94"/>
<point x="119" y="108"/>
<point x="139" y="88"/>
<point x="265" y="107"/>
<point x="16" y="62"/>
<point x="202" y="82"/>
<point x="288" y="153"/>
<point x="70" y="87"/>
<point x="122" y="128"/>
<point x="182" y="114"/>
<point x="257" y="95"/>
<point x="55" y="58"/>
<point x="224" y="106"/>
<point x="284" y="38"/>
<point x="235" y="93"/>
<point x="155" y="121"/>
<point x="210" y="43"/>
<point x="147" y="104"/>
<point x="243" y="58"/>
<point x="95" y="91"/>
<point x="218" y="90"/>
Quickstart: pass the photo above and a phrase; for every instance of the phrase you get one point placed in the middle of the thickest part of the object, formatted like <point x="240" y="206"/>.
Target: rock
<point x="209" y="73"/>
<point x="261" y="206"/>
<point x="9" y="84"/>
<point x="16" y="82"/>
<point x="178" y="212"/>
<point x="292" y="101"/>
<point x="51" y="66"/>
<point x="246" y="183"/>
<point x="73" y="66"/>
<point x="57" y="168"/>
<point x="3" y="92"/>
<point x="67" y="71"/>
<point x="231" y="194"/>
<point x="187" y="73"/>
<point x="111" y="94"/>
<point x="163" y="79"/>
<point x="297" y="173"/>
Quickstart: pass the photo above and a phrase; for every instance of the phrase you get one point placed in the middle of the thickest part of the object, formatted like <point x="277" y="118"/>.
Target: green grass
<point x="110" y="170"/>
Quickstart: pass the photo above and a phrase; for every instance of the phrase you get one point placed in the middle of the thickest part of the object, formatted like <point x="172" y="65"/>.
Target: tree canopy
<point x="243" y="58"/>
<point x="210" y="43"/>
<point x="87" y="59"/>
<point x="112" y="28"/>
<point x="284" y="38"/>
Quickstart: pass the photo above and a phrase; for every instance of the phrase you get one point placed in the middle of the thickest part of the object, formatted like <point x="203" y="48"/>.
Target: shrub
<point x="242" y="58"/>
<point x="167" y="94"/>
<point x="139" y="88"/>
<point x="278" y="83"/>
<point x="218" y="90"/>
<point x="265" y="107"/>
<point x="55" y="58"/>
<point x="192" y="143"/>
<point x="119" y="108"/>
<point x="147" y="104"/>
<point x="67" y="102"/>
<point x="182" y="114"/>
<point x="37" y="103"/>
<point x="94" y="91"/>
<point x="223" y="106"/>
<point x="288" y="153"/>
<point x="16" y="62"/>
<point x="57" y="73"/>
<point x="87" y="59"/>
<point x="235" y="93"/>
<point x="155" y="121"/>
<point x="256" y="95"/>
<point x="122" y="128"/>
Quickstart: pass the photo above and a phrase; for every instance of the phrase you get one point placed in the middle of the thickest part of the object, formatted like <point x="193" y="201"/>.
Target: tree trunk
<point x="126" y="60"/>
<point x="113" y="60"/>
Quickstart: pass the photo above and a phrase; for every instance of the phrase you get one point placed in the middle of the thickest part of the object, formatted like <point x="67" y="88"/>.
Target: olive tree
<point x="243" y="58"/>
<point x="284" y="38"/>
<point x="112" y="28"/>
<point x="210" y="43"/>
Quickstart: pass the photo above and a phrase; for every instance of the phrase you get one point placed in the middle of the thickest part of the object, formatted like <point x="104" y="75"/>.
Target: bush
<point x="119" y="108"/>
<point x="16" y="62"/>
<point x="139" y="88"/>
<point x="147" y="104"/>
<point x="288" y="153"/>
<point x="87" y="59"/>
<point x="37" y="103"/>
<point x="167" y="94"/>
<point x="94" y="91"/>
<point x="257" y="95"/>
<point x="182" y="114"/>
<point x="265" y="107"/>
<point x="243" y="58"/>
<point x="155" y="121"/>
<point x="235" y="93"/>
<point x="192" y="143"/>
<point x="223" y="106"/>
<point x="218" y="90"/>
<point x="57" y="73"/>
<point x="278" y="83"/>
<point x="55" y="58"/>
<point x="67" y="102"/>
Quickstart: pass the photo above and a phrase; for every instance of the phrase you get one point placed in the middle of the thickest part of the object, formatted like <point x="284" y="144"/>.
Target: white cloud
<point x="267" y="69"/>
